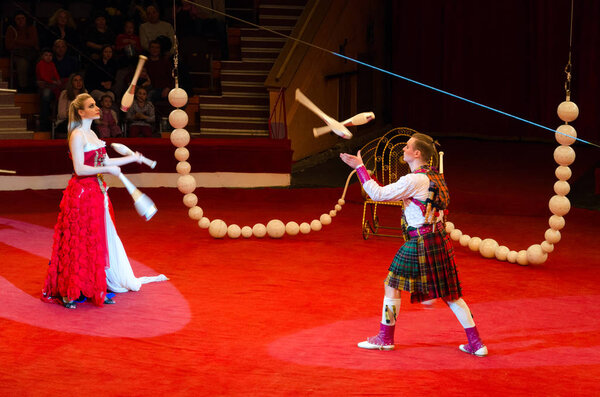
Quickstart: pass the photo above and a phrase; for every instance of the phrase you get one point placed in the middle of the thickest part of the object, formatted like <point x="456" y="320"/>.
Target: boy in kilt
<point x="424" y="265"/>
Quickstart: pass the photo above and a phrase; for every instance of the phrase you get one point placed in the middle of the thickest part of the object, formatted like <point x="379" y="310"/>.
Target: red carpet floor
<point x="282" y="317"/>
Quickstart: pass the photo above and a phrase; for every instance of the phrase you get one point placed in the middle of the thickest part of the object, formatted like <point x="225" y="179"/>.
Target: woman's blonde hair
<point x="74" y="117"/>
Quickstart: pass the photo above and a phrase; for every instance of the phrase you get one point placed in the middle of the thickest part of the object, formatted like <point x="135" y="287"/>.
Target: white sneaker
<point x="371" y="346"/>
<point x="481" y="352"/>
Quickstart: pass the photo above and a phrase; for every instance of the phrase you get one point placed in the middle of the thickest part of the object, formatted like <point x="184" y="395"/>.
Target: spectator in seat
<point x="159" y="72"/>
<point x="140" y="116"/>
<point x="22" y="41"/>
<point x="66" y="64"/>
<point x="73" y="88"/>
<point x="62" y="26"/>
<point x="128" y="43"/>
<point x="49" y="84"/>
<point x="108" y="123"/>
<point x="99" y="37"/>
<point x="154" y="28"/>
<point x="100" y="76"/>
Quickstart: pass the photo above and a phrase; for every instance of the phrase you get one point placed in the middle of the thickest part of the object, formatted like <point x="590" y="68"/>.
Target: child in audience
<point x="107" y="125"/>
<point x="140" y="116"/>
<point x="50" y="85"/>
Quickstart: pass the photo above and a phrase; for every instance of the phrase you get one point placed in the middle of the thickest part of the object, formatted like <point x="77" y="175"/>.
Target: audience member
<point x="128" y="43"/>
<point x="61" y="26"/>
<point x="100" y="76"/>
<point x="73" y="88"/>
<point x="66" y="64"/>
<point x="98" y="37"/>
<point x="49" y="84"/>
<point x="154" y="28"/>
<point x="206" y="22"/>
<point x="107" y="125"/>
<point x="140" y="116"/>
<point x="22" y="41"/>
<point x="159" y="67"/>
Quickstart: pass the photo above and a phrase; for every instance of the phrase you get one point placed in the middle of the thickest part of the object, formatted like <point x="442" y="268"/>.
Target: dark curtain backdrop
<point x="509" y="55"/>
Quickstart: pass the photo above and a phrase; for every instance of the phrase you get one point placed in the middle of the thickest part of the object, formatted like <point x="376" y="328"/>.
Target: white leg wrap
<point x="462" y="312"/>
<point x="390" y="310"/>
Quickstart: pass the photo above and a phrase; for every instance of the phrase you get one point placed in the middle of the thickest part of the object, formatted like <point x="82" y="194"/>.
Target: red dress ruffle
<point x="79" y="253"/>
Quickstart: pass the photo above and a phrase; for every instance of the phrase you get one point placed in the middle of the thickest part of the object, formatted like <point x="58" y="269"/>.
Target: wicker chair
<point x="383" y="158"/>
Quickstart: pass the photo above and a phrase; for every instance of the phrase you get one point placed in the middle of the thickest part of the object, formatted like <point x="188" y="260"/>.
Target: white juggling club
<point x="127" y="99"/>
<point x="357" y="119"/>
<point x="143" y="204"/>
<point x="8" y="171"/>
<point x="125" y="151"/>
<point x="335" y="125"/>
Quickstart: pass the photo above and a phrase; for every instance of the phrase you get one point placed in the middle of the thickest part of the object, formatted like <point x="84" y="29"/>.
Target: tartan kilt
<point x="425" y="267"/>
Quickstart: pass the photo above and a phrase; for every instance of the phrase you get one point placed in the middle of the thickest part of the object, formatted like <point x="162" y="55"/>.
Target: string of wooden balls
<point x="217" y="228"/>
<point x="559" y="204"/>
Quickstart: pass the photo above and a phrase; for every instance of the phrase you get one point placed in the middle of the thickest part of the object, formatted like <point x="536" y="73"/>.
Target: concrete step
<point x="278" y="21"/>
<point x="248" y="64"/>
<point x="245" y="77"/>
<point x="229" y="100"/>
<point x="232" y="132"/>
<point x="263" y="42"/>
<point x="280" y="9"/>
<point x="7" y="99"/>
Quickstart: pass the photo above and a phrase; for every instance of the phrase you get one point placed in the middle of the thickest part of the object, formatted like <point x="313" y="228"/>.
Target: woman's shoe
<point x="109" y="301"/>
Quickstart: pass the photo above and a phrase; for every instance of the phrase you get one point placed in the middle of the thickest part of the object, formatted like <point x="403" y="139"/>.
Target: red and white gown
<point x="87" y="255"/>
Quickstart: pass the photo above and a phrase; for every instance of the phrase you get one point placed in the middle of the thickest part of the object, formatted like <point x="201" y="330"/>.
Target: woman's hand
<point x="352" y="161"/>
<point x="113" y="170"/>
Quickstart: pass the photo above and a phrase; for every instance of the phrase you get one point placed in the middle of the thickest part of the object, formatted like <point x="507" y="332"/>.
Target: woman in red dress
<point x="79" y="253"/>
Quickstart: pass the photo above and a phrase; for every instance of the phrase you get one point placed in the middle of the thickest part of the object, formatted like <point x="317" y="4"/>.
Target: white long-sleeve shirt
<point x="410" y="185"/>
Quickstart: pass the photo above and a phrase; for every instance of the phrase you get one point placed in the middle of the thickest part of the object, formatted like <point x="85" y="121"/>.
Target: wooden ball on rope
<point x="562" y="188"/>
<point x="563" y="173"/>
<point x="217" y="228"/>
<point x="552" y="236"/>
<point x="332" y="213"/>
<point x="338" y="208"/>
<point x="259" y="230"/>
<point x="182" y="154"/>
<point x="180" y="137"/>
<point x="547" y="247"/>
<point x="449" y="227"/>
<point x="292" y="228"/>
<point x="183" y="168"/>
<point x="487" y="248"/>
<point x="178" y="97"/>
<point x="556" y="222"/>
<point x="315" y="225"/>
<point x="501" y="252"/>
<point x="246" y="232"/>
<point x="196" y="213"/>
<point x="522" y="258"/>
<point x="559" y="205"/>
<point x="325" y="219"/>
<point x="204" y="223"/>
<point x="536" y="255"/>
<point x="561" y="133"/>
<point x="564" y="155"/>
<point x="474" y="243"/>
<point x="464" y="240"/>
<point x="178" y="118"/>
<point x="275" y="228"/>
<point x="304" y="228"/>
<point x="341" y="201"/>
<point x="233" y="231"/>
<point x="567" y="111"/>
<point x="190" y="200"/>
<point x="186" y="184"/>
<point x="455" y="234"/>
<point x="512" y="256"/>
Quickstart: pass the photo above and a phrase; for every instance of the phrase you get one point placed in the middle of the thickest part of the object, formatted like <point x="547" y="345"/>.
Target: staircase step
<point x="11" y="124"/>
<point x="280" y="22"/>
<point x="227" y="111"/>
<point x="15" y="134"/>
<point x="279" y="9"/>
<point x="10" y="111"/>
<point x="246" y="78"/>
<point x="240" y="88"/>
<point x="230" y="132"/>
<point x="263" y="42"/>
<point x="246" y="65"/>
<point x="7" y="99"/>
<point x="260" y="100"/>
<point x="277" y="3"/>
